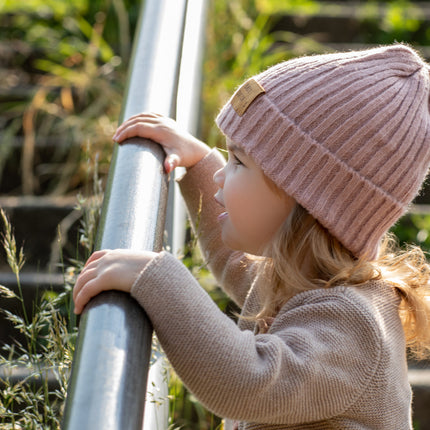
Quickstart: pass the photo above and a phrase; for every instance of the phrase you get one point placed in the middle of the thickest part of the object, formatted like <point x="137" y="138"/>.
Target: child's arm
<point x="234" y="270"/>
<point x="323" y="349"/>
<point x="182" y="149"/>
<point x="323" y="345"/>
<point x="231" y="268"/>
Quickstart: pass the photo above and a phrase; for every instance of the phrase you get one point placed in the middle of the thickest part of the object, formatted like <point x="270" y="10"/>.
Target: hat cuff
<point x="340" y="198"/>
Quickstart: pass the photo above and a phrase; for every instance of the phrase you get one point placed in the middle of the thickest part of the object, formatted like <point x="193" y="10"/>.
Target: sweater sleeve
<point x="232" y="269"/>
<point x="316" y="360"/>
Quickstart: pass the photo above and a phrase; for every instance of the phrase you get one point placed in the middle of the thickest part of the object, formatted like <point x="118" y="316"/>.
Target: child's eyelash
<point x="236" y="160"/>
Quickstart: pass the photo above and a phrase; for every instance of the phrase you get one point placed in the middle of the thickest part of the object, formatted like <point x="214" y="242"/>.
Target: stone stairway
<point x="45" y="221"/>
<point x="38" y="217"/>
<point x="38" y="224"/>
<point x="39" y="172"/>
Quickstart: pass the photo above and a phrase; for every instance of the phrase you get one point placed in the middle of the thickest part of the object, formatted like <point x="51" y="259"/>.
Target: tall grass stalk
<point x="34" y="373"/>
<point x="15" y="258"/>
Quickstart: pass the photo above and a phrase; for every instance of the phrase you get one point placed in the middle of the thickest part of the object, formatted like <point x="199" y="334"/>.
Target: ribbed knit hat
<point x="347" y="135"/>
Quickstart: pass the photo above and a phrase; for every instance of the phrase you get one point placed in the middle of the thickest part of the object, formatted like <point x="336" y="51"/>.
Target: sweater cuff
<point x="163" y="275"/>
<point x="151" y="273"/>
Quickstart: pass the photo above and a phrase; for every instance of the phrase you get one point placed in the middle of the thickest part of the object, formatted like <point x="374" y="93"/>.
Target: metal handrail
<point x="187" y="107"/>
<point x="109" y="374"/>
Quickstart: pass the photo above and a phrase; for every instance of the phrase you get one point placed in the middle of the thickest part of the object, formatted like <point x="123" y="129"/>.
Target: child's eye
<point x="236" y="160"/>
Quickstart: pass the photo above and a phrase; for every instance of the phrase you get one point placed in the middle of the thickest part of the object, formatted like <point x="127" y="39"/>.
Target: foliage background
<point x="67" y="72"/>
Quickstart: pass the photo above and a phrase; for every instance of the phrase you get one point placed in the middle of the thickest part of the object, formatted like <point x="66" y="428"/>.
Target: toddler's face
<point x="254" y="209"/>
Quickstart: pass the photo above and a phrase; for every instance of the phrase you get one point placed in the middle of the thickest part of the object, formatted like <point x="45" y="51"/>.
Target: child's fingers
<point x="138" y="125"/>
<point x="95" y="256"/>
<point x="87" y="292"/>
<point x="146" y="116"/>
<point x="85" y="276"/>
<point x="133" y="129"/>
<point x="88" y="270"/>
<point x="149" y="117"/>
<point x="90" y="283"/>
<point x="171" y="162"/>
<point x="142" y="118"/>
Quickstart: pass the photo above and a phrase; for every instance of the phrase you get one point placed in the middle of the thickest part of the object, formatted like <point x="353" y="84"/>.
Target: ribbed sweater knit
<point x="331" y="359"/>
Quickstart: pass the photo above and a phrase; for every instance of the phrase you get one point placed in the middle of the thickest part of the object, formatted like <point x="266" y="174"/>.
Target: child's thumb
<point x="171" y="162"/>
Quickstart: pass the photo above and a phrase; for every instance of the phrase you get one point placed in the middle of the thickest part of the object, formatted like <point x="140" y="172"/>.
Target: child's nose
<point x="219" y="177"/>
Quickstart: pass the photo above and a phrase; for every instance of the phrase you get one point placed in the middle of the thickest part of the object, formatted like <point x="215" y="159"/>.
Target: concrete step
<point x="347" y="21"/>
<point x="46" y="227"/>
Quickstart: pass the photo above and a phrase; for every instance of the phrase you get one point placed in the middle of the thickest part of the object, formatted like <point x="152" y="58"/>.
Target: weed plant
<point x="79" y="57"/>
<point x="34" y="373"/>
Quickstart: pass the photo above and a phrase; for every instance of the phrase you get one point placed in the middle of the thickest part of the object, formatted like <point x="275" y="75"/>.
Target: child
<point x="325" y="153"/>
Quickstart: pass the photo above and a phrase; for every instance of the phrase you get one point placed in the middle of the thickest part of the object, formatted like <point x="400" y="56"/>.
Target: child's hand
<point x="108" y="270"/>
<point x="182" y="149"/>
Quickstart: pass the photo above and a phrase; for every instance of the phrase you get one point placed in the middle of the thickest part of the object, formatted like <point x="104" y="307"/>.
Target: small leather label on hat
<point x="245" y="95"/>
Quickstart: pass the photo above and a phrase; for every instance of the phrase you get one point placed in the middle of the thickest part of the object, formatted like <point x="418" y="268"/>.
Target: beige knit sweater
<point x="332" y="358"/>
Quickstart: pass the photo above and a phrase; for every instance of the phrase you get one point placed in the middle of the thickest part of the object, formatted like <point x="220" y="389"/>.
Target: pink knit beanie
<point x="346" y="134"/>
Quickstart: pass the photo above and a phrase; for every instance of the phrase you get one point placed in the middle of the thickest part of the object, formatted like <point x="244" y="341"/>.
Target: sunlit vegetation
<point x="67" y="65"/>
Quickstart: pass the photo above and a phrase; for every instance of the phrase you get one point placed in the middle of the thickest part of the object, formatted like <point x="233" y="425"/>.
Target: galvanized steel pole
<point x="188" y="108"/>
<point x="108" y="381"/>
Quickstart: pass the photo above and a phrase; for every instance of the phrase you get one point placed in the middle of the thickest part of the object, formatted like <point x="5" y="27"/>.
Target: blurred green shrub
<point x="77" y="53"/>
<point x="69" y="73"/>
<point x="414" y="228"/>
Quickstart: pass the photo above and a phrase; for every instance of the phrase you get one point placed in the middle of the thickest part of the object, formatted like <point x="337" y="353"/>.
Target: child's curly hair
<point x="303" y="255"/>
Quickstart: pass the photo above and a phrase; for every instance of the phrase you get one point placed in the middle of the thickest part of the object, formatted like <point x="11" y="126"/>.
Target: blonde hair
<point x="303" y="255"/>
